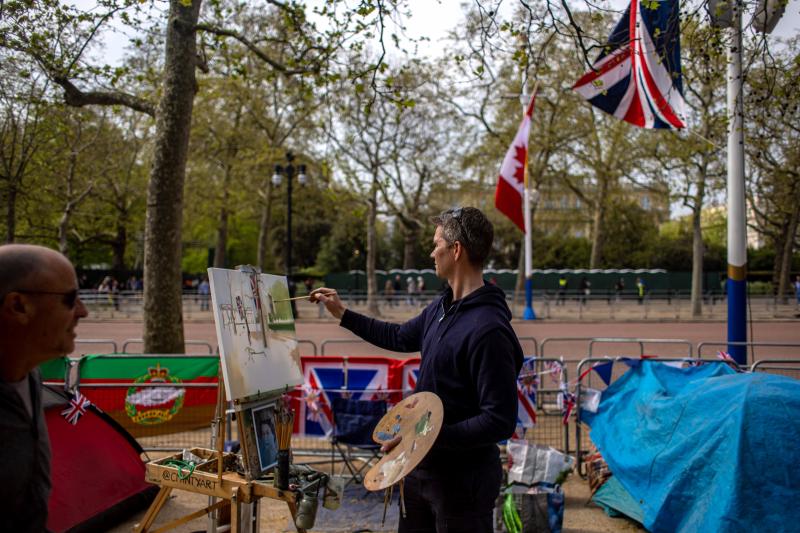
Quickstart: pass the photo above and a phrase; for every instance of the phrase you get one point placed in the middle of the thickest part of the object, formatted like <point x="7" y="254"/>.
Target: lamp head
<point x="302" y="179"/>
<point x="276" y="178"/>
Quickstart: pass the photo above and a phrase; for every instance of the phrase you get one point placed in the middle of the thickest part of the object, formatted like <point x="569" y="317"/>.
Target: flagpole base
<point x="528" y="313"/>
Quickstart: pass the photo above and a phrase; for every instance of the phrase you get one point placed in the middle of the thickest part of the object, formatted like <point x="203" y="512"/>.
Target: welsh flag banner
<point x="165" y="394"/>
<point x="511" y="182"/>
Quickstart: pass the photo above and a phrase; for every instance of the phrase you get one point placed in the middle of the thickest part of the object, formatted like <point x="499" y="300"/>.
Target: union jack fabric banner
<point x="77" y="408"/>
<point x="410" y="373"/>
<point x="367" y="379"/>
<point x="637" y="76"/>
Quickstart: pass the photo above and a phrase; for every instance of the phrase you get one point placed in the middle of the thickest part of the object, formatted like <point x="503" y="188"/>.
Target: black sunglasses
<point x="70" y="297"/>
<point x="456" y="214"/>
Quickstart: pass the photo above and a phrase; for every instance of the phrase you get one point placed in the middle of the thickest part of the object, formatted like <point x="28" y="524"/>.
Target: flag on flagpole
<point x="512" y="180"/>
<point x="637" y="76"/>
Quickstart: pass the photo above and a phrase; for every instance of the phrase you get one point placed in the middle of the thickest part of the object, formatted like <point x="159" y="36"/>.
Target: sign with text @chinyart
<point x="255" y="333"/>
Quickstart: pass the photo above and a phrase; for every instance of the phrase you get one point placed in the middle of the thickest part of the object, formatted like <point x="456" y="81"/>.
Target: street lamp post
<point x="289" y="170"/>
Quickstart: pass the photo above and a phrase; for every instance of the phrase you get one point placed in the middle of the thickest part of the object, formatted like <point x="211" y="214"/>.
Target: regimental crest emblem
<point x="154" y="402"/>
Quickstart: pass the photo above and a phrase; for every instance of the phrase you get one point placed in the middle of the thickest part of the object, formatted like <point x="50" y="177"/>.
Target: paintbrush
<point x="304" y="297"/>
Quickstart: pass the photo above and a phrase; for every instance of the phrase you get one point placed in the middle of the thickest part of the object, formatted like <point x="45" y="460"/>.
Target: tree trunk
<point x="698" y="246"/>
<point x="118" y="248"/>
<point x="372" y="252"/>
<point x="11" y="212"/>
<point x="222" y="224"/>
<point x="410" y="239"/>
<point x="598" y="231"/>
<point x="786" y="259"/>
<point x="163" y="316"/>
<point x="263" y="226"/>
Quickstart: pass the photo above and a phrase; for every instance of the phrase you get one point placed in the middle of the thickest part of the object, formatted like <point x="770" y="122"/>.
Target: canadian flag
<point x="511" y="182"/>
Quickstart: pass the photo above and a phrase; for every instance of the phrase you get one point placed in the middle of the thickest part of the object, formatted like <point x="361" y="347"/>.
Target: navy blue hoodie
<point x="470" y="358"/>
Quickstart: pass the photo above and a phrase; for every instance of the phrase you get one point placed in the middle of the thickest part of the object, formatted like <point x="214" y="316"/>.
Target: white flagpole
<point x="737" y="236"/>
<point x="528" y="313"/>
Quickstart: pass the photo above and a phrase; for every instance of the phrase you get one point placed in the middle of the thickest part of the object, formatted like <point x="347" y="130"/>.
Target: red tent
<point x="97" y="470"/>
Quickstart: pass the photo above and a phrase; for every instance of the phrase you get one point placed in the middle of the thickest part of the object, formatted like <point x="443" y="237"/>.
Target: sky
<point x="434" y="18"/>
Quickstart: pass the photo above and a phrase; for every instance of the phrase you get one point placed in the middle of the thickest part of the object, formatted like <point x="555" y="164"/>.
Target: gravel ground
<point x="580" y="515"/>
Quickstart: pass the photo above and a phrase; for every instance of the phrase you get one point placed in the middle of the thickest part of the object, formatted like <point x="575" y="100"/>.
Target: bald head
<point x="22" y="264"/>
<point x="39" y="308"/>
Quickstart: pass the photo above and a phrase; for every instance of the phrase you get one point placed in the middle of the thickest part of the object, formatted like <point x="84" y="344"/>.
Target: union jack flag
<point x="637" y="76"/>
<point x="77" y="408"/>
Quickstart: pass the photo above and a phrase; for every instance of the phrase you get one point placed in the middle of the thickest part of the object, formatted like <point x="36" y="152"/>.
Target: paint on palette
<point x="424" y="426"/>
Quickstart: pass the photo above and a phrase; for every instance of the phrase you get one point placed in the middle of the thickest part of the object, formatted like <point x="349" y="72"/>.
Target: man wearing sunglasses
<point x="39" y="309"/>
<point x="470" y="358"/>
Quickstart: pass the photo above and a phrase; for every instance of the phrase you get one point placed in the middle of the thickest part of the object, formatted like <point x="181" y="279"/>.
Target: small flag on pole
<point x="77" y="408"/>
<point x="512" y="180"/>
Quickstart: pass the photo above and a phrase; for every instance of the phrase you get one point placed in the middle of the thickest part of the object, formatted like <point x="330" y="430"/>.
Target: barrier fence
<point x="167" y="401"/>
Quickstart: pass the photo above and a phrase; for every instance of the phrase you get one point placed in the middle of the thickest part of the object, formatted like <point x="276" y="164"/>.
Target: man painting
<point x="470" y="358"/>
<point x="39" y="309"/>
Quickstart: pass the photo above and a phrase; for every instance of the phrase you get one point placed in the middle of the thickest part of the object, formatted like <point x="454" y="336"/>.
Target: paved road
<point x="318" y="331"/>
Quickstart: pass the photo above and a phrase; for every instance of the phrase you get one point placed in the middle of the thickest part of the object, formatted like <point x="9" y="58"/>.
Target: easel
<point x="216" y="476"/>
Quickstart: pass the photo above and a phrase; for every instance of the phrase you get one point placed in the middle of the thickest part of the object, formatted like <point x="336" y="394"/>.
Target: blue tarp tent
<point x="704" y="448"/>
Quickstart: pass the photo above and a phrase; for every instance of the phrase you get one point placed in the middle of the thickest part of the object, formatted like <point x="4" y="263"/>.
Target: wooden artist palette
<point x="418" y="420"/>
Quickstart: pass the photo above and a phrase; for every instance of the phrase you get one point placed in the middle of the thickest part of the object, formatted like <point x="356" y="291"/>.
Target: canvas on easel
<point x="255" y="333"/>
<point x="259" y="355"/>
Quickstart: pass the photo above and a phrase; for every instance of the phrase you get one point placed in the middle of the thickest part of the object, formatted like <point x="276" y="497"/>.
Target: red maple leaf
<point x="520" y="155"/>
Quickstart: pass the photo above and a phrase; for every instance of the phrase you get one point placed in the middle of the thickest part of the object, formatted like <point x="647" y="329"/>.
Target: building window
<point x="646" y="202"/>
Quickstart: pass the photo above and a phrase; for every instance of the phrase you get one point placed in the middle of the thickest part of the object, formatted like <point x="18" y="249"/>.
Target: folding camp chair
<point x="353" y="424"/>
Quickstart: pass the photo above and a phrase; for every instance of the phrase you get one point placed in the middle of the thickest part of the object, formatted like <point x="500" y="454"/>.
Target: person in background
<point x="421" y="289"/>
<point x="39" y="310"/>
<point x="470" y="357"/>
<point x="562" y="289"/>
<point x="619" y="287"/>
<point x="388" y="292"/>
<point x="797" y="290"/>
<point x="411" y="291"/>
<point x="204" y="293"/>
<point x="640" y="290"/>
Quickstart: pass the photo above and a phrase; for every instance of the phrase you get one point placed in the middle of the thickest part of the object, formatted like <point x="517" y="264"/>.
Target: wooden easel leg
<point x="153" y="510"/>
<point x="235" y="510"/>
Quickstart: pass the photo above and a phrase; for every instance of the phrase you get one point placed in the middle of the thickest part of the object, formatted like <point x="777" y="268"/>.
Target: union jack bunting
<point x="77" y="408"/>
<point x="637" y="76"/>
<point x="527" y="383"/>
<point x="566" y="401"/>
<point x="725" y="356"/>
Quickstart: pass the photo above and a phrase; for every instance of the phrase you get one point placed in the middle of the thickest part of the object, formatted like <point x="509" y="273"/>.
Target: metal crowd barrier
<point x="615" y="340"/>
<point x="549" y="429"/>
<point x="205" y="344"/>
<point x="110" y="342"/>
<point x="312" y="343"/>
<point x="326" y="342"/>
<point x="783" y="367"/>
<point x="594" y="382"/>
<point x="748" y="344"/>
<point x="533" y="340"/>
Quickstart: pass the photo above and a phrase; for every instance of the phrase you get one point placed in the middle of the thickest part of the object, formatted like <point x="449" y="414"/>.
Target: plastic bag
<point x="532" y="463"/>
